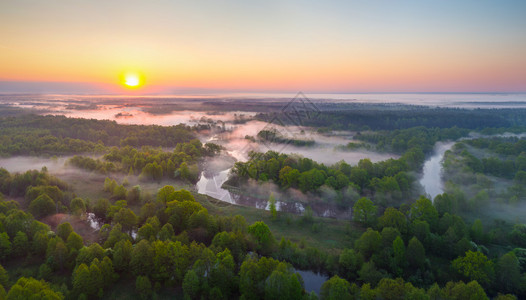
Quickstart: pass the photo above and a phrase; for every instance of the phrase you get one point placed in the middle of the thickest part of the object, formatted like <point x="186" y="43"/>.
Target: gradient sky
<point x="264" y="46"/>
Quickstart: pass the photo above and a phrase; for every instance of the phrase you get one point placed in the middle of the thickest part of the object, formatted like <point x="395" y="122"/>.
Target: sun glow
<point x="132" y="80"/>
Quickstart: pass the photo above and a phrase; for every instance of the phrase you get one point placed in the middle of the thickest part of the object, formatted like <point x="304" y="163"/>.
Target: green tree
<point x="20" y="244"/>
<point x="77" y="206"/>
<point x="183" y="195"/>
<point x="30" y="288"/>
<point x="477" y="231"/>
<point x="143" y="286"/>
<point x="474" y="266"/>
<point x="336" y="288"/>
<point x="122" y="255"/>
<point x="392" y="217"/>
<point x="2" y="292"/>
<point x="95" y="277"/>
<point x="119" y="192"/>
<point x="141" y="262"/>
<point x="165" y="194"/>
<point x="40" y="241"/>
<point x="107" y="271"/>
<point x="415" y="253"/>
<point x="364" y="211"/>
<point x="44" y="271"/>
<point x="109" y="184"/>
<point x="509" y="273"/>
<point x="5" y="246"/>
<point x="252" y="275"/>
<point x="127" y="218"/>
<point x="57" y="252"/>
<point x="445" y="203"/>
<point x="42" y="206"/>
<point x="462" y="291"/>
<point x="222" y="274"/>
<point x="18" y="220"/>
<point x="399" y="253"/>
<point x="359" y="176"/>
<point x="101" y="207"/>
<point x="64" y="230"/>
<point x="288" y="176"/>
<point x="272" y="206"/>
<point x="191" y="284"/>
<point x="133" y="196"/>
<point x="283" y="283"/>
<point x="167" y="232"/>
<point x="146" y="232"/>
<point x="424" y="210"/>
<point x="74" y="241"/>
<point x="87" y="254"/>
<point x="4" y="276"/>
<point x="82" y="280"/>
<point x="262" y="236"/>
<point x="391" y="289"/>
<point x="184" y="171"/>
<point x="115" y="236"/>
<point x="350" y="263"/>
<point x="369" y="273"/>
<point x="369" y="243"/>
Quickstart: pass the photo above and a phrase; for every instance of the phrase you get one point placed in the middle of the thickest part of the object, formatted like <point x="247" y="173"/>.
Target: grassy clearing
<point x="323" y="233"/>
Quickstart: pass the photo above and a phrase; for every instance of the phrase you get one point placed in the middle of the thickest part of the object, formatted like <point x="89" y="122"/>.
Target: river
<point x="431" y="178"/>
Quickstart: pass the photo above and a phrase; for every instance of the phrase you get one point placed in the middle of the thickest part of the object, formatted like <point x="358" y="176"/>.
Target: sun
<point x="132" y="80"/>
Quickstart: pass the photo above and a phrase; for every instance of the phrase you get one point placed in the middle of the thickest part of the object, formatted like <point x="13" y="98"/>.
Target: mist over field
<point x="263" y="150"/>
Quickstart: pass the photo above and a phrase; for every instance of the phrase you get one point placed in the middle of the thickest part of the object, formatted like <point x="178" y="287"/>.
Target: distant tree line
<point x="41" y="135"/>
<point x="151" y="163"/>
<point x="346" y="116"/>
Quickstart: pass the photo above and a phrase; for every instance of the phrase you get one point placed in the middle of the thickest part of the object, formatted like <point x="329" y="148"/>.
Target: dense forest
<point x="50" y="135"/>
<point x="389" y="181"/>
<point x="487" y="171"/>
<point x="356" y="116"/>
<point x="167" y="244"/>
<point x="178" y="244"/>
<point x="151" y="163"/>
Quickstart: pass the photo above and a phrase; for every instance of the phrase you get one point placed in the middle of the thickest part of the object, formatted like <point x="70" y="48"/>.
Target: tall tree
<point x="263" y="237"/>
<point x="509" y="273"/>
<point x="475" y="266"/>
<point x="64" y="230"/>
<point x="42" y="206"/>
<point x="30" y="288"/>
<point x="364" y="211"/>
<point x="142" y="258"/>
<point x="336" y="288"/>
<point x="5" y="246"/>
<point x="399" y="254"/>
<point x="272" y="206"/>
<point x="415" y="253"/>
<point x="143" y="286"/>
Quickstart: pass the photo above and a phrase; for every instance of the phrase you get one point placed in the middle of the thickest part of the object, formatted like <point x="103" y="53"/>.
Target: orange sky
<point x="275" y="46"/>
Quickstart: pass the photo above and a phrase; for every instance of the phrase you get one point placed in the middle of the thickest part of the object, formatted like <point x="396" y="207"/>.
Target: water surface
<point x="432" y="172"/>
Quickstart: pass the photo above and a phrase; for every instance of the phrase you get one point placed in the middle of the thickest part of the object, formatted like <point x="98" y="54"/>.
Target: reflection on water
<point x="97" y="223"/>
<point x="432" y="172"/>
<point x="94" y="222"/>
<point x="212" y="184"/>
<point x="431" y="178"/>
<point x="312" y="281"/>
